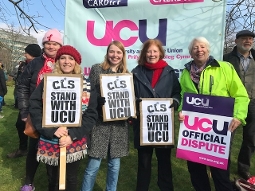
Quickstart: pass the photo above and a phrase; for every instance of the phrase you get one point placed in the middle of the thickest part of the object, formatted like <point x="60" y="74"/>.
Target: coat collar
<point x="211" y="62"/>
<point x="235" y="53"/>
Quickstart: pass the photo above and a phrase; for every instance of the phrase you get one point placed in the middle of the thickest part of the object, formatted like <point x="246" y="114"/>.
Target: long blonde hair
<point x="57" y="70"/>
<point x="123" y="65"/>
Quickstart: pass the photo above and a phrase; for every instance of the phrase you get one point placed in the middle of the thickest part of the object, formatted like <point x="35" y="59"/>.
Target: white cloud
<point x="38" y="36"/>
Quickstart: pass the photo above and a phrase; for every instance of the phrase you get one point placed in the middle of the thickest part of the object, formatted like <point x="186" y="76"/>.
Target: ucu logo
<point x="206" y="125"/>
<point x="197" y="101"/>
<point x="112" y="32"/>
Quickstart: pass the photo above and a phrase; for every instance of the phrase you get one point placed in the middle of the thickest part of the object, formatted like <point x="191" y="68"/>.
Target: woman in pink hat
<point x="28" y="81"/>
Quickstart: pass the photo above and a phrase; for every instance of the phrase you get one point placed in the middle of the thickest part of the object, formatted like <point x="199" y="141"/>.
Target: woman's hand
<point x="24" y="119"/>
<point x="60" y="132"/>
<point x="234" y="124"/>
<point x="181" y="116"/>
<point x="65" y="141"/>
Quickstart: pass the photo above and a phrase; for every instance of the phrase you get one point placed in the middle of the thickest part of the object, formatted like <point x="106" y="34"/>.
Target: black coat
<point x="89" y="117"/>
<point x="27" y="84"/>
<point x="3" y="88"/>
<point x="168" y="86"/>
<point x="17" y="75"/>
<point x="234" y="59"/>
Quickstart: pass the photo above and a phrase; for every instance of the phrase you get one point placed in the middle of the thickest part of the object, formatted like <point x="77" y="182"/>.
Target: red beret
<point x="67" y="49"/>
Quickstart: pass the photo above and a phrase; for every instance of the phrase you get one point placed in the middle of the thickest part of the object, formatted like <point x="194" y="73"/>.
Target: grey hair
<point x="199" y="39"/>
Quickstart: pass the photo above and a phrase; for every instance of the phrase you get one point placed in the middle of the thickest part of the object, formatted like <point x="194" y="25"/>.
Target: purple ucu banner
<point x="104" y="3"/>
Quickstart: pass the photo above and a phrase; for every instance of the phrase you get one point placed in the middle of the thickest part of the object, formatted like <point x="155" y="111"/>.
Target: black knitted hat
<point x="33" y="50"/>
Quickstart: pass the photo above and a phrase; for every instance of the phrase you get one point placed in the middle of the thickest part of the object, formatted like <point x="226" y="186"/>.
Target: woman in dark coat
<point x="68" y="61"/>
<point x="154" y="78"/>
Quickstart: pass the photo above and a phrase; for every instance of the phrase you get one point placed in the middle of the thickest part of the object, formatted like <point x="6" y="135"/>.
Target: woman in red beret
<point x="67" y="61"/>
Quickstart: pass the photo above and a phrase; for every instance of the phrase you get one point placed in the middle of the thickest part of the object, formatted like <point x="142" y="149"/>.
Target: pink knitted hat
<point x="52" y="35"/>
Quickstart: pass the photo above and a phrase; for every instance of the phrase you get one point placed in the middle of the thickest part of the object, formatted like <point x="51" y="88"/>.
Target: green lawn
<point x="12" y="171"/>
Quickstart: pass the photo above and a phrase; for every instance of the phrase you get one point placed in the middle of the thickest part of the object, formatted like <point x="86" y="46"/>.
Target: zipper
<point x="154" y="93"/>
<point x="211" y="84"/>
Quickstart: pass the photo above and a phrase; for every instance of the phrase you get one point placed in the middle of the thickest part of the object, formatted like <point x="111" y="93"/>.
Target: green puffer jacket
<point x="218" y="79"/>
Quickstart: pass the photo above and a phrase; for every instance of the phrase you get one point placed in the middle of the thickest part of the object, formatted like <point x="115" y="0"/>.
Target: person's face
<point x="152" y="54"/>
<point x="244" y="43"/>
<point x="28" y="57"/>
<point x="114" y="55"/>
<point x="66" y="63"/>
<point x="51" y="48"/>
<point x="199" y="52"/>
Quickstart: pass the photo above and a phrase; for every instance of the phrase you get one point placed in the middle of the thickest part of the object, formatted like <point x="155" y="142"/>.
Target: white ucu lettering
<point x="197" y="101"/>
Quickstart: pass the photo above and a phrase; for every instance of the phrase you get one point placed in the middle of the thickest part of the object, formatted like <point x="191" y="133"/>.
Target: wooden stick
<point x="62" y="166"/>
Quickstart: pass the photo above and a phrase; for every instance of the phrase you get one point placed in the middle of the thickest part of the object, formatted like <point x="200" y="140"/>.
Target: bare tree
<point x="28" y="21"/>
<point x="240" y="14"/>
<point x="11" y="48"/>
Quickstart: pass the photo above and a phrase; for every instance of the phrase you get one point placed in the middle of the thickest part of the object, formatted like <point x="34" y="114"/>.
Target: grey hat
<point x="245" y="33"/>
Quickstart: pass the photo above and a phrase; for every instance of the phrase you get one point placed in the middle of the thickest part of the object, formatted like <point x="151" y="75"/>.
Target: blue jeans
<point x="1" y="102"/>
<point x="92" y="170"/>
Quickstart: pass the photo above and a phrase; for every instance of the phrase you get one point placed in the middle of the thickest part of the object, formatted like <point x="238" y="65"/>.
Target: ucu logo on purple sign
<point x="104" y="3"/>
<point x="197" y="101"/>
<point x="112" y="32"/>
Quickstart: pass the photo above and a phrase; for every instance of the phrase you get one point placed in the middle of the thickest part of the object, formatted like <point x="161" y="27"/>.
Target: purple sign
<point x="203" y="135"/>
<point x="104" y="3"/>
<point x="215" y="105"/>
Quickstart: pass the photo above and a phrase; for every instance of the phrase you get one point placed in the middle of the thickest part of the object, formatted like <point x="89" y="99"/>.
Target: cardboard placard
<point x="118" y="90"/>
<point x="156" y="121"/>
<point x="62" y="100"/>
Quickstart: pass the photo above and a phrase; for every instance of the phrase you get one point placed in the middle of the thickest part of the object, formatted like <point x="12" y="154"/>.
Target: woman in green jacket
<point x="205" y="75"/>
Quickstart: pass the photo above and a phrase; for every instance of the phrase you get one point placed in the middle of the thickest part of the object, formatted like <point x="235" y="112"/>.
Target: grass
<point x="12" y="171"/>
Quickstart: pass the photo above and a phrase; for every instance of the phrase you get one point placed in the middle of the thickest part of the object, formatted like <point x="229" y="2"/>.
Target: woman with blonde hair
<point x="204" y="68"/>
<point x="108" y="139"/>
<point x="68" y="61"/>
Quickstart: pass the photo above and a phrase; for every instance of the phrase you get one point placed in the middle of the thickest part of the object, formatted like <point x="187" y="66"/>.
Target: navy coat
<point x="167" y="86"/>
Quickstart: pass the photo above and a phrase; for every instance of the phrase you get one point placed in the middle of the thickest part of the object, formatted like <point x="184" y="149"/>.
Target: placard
<point x="62" y="100"/>
<point x="156" y="121"/>
<point x="203" y="136"/>
<point x="118" y="90"/>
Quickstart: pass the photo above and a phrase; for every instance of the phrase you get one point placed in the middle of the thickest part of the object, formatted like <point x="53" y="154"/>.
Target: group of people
<point x="153" y="78"/>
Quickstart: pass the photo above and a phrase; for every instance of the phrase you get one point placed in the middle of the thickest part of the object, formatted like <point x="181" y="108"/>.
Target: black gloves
<point x="101" y="101"/>
<point x="175" y="105"/>
<point x="137" y="101"/>
<point x="130" y="120"/>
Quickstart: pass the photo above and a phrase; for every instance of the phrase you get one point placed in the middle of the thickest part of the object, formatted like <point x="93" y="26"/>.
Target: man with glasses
<point x="242" y="57"/>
